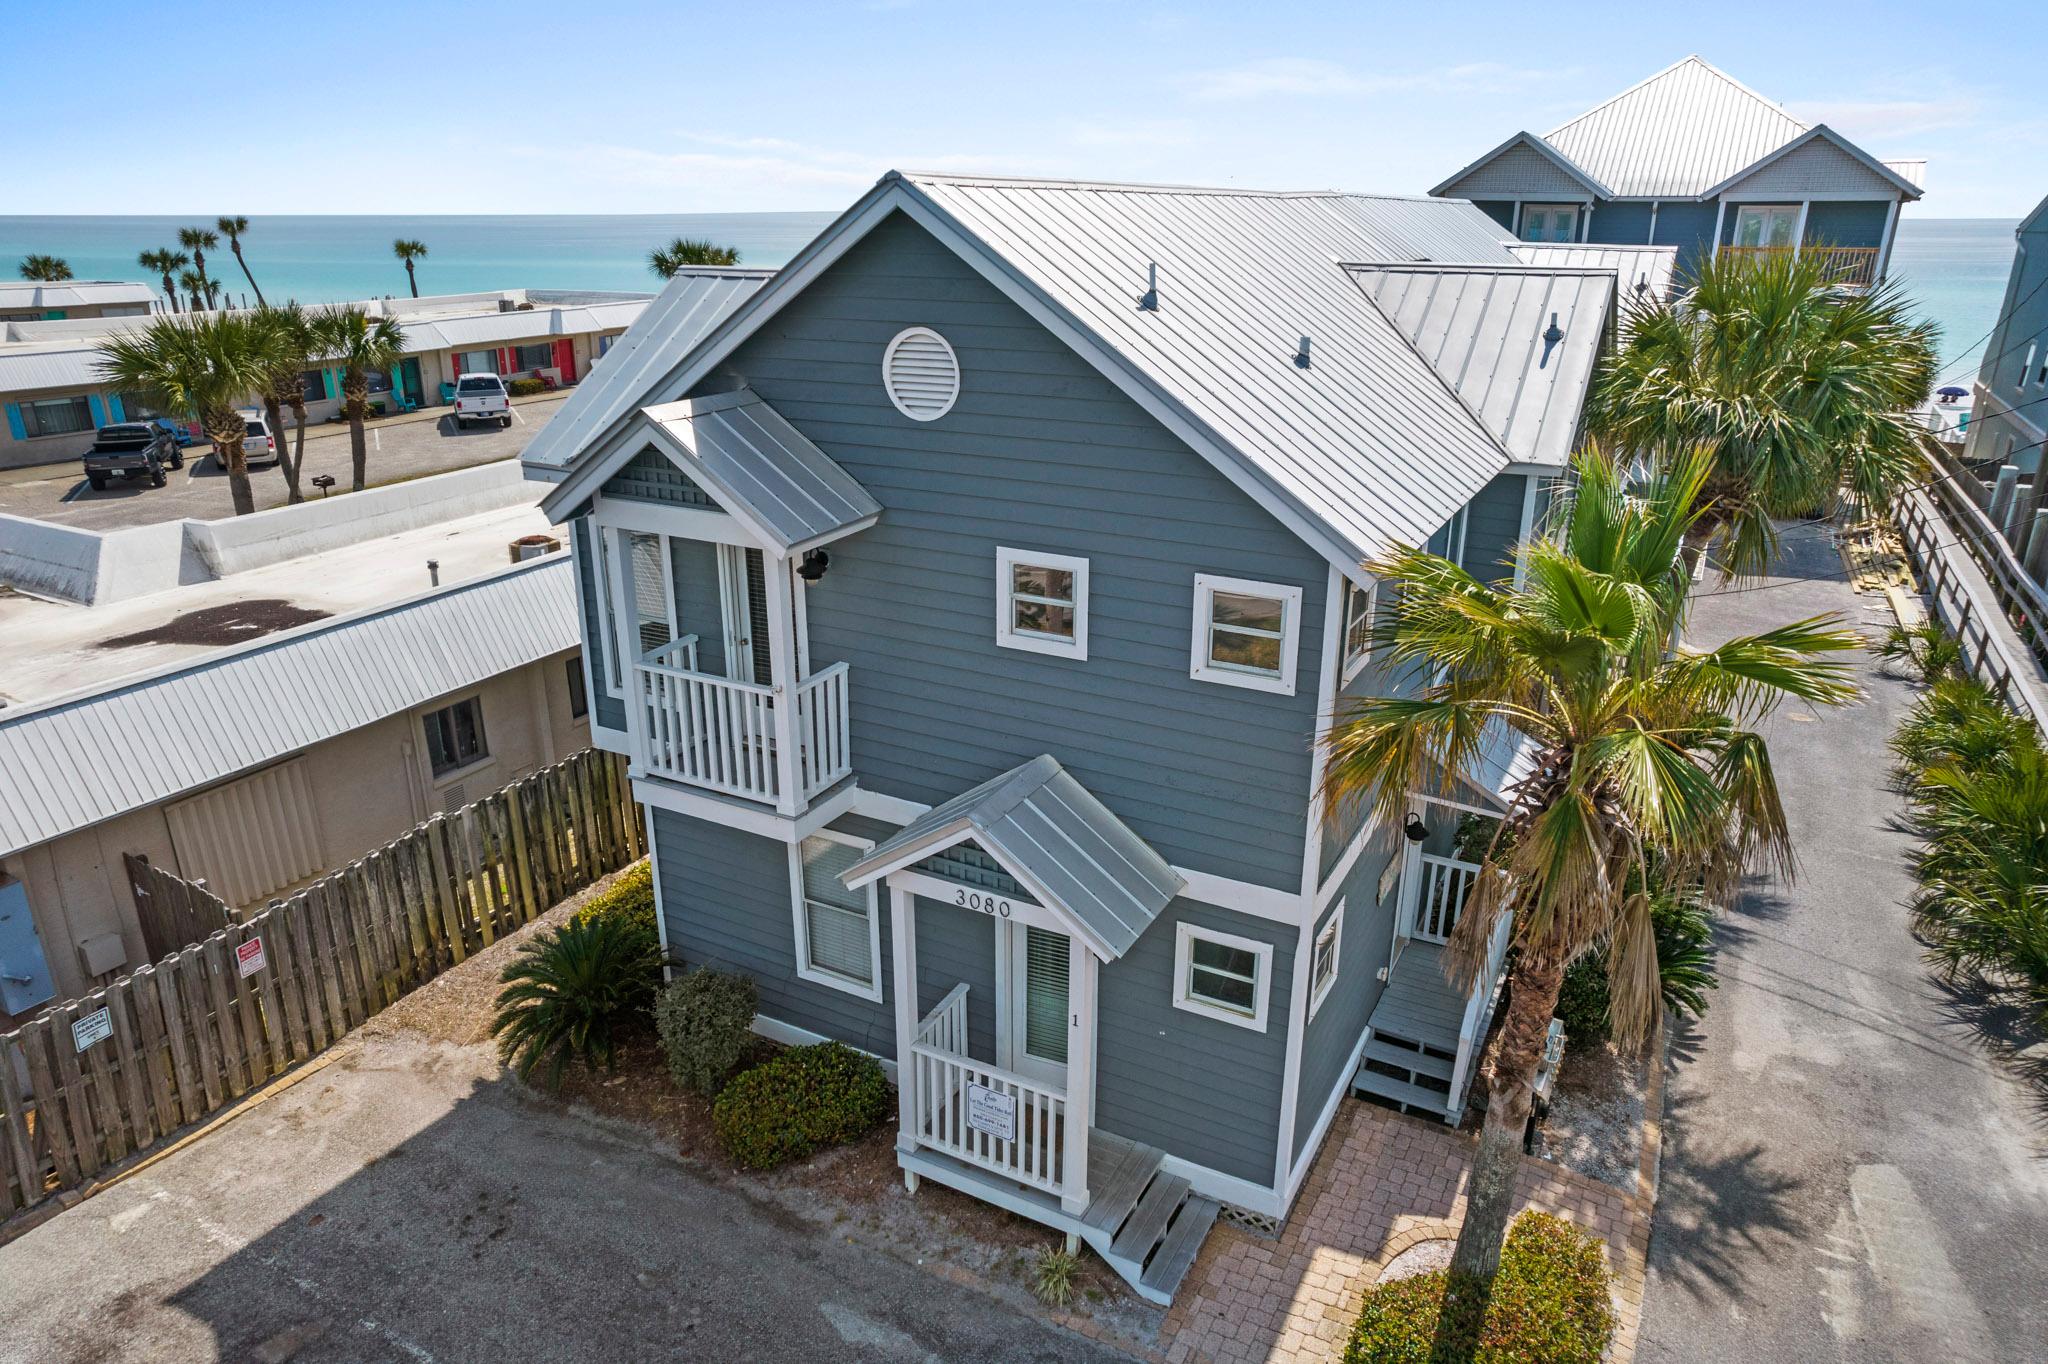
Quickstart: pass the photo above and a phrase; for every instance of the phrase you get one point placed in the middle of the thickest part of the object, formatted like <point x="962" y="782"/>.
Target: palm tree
<point x="359" y="343"/>
<point x="205" y="364"/>
<point x="45" y="269"/>
<point x="409" y="250"/>
<point x="233" y="229"/>
<point x="195" y="290"/>
<point x="1798" y="385"/>
<point x="666" y="261"/>
<point x="285" y="338"/>
<point x="199" y="241"/>
<point x="1650" y="775"/>
<point x="165" y="263"/>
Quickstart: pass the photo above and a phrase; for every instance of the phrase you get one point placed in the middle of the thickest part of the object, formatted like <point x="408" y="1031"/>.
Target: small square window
<point x="1358" y="603"/>
<point x="1042" y="602"/>
<point x="1223" y="976"/>
<point x="1322" y="971"/>
<point x="838" y="936"/>
<point x="1246" y="633"/>
<point x="455" y="735"/>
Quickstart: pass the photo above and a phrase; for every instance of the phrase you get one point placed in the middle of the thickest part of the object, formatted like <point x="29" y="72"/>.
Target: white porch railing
<point x="719" y="733"/>
<point x="1478" y="1009"/>
<point x="1445" y="883"/>
<point x="942" y="1087"/>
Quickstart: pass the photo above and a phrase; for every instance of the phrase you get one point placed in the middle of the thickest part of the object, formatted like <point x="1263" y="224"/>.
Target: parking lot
<point x="400" y="448"/>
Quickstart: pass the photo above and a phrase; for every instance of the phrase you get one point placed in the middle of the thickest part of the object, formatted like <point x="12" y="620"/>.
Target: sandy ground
<point x="1595" y="1122"/>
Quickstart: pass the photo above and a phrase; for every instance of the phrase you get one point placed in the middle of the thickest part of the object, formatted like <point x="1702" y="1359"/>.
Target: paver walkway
<point x="1382" y="1184"/>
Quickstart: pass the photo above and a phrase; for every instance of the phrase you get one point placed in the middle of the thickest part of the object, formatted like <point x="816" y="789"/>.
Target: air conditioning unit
<point x="533" y="546"/>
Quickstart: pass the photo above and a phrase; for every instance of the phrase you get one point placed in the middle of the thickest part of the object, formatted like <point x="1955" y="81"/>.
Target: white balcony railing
<point x="1478" y="1008"/>
<point x="946" y="1086"/>
<point x="719" y="733"/>
<point x="1445" y="883"/>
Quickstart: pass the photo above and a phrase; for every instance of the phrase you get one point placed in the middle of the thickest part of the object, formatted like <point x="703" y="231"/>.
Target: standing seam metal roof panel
<point x="1677" y="134"/>
<point x="74" y="761"/>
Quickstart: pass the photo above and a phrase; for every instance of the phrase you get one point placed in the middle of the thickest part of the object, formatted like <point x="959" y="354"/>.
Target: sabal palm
<point x="234" y="229"/>
<point x="1649" y="774"/>
<point x="410" y="250"/>
<point x="205" y="364"/>
<point x="667" y="261"/>
<point x="358" y="343"/>
<point x="286" y="341"/>
<point x="45" y="269"/>
<point x="199" y="241"/>
<point x="1797" y="385"/>
<point x="165" y="263"/>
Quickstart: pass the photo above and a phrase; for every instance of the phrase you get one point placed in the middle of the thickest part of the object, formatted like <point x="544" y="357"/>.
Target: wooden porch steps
<point x="1412" y="1075"/>
<point x="1409" y="1059"/>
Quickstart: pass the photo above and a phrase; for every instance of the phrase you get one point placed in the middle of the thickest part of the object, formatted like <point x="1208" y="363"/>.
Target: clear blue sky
<point x="510" y="107"/>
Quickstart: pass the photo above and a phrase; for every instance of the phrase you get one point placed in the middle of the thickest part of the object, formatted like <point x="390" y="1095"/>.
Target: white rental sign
<point x="992" y="1111"/>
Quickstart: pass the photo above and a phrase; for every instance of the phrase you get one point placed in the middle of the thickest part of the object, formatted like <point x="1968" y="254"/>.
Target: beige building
<point x="352" y="707"/>
<point x="71" y="299"/>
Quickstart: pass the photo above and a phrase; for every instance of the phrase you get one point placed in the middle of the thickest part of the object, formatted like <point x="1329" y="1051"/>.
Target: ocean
<point x="1953" y="268"/>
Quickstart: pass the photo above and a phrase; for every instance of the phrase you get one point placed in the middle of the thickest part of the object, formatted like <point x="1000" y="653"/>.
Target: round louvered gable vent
<point x="921" y="374"/>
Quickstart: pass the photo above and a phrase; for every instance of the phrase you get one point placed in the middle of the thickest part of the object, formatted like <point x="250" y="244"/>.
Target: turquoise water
<point x="1954" y="268"/>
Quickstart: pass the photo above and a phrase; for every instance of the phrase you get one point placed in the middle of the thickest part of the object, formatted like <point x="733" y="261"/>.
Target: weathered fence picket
<point x="191" y="1033"/>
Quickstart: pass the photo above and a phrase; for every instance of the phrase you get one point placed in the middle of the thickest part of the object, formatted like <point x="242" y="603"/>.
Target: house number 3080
<point x="987" y="904"/>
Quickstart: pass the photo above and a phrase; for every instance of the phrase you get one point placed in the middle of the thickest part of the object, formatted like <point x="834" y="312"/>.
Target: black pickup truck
<point x="132" y="450"/>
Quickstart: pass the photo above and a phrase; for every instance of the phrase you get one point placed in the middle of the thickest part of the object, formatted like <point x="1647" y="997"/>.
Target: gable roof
<point x="1363" y="448"/>
<point x="1820" y="132"/>
<point x="1048" y="831"/>
<point x="1518" y="343"/>
<point x="1686" y="128"/>
<point x="1541" y="148"/>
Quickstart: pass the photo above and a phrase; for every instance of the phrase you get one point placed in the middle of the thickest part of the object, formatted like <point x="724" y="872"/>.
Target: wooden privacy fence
<point x="96" y="1079"/>
<point x="173" y="911"/>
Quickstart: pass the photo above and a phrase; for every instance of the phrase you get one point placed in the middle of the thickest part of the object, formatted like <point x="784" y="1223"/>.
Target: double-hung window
<point x="1246" y="633"/>
<point x="1222" y="976"/>
<point x="1358" y="603"/>
<point x="838" y="936"/>
<point x="455" y="736"/>
<point x="1042" y="602"/>
<point x="1323" y="957"/>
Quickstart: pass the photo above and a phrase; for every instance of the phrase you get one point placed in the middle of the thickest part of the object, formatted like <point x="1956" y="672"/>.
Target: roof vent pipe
<point x="1301" y="355"/>
<point x="1149" y="302"/>
<point x="1554" y="333"/>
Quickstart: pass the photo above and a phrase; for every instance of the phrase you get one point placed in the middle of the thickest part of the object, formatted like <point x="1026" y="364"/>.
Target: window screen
<point x="835" y="919"/>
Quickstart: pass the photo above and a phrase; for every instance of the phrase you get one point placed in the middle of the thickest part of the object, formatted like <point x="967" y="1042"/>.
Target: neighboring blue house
<point x="1693" y="159"/>
<point x="2009" y="408"/>
<point x="969" y="598"/>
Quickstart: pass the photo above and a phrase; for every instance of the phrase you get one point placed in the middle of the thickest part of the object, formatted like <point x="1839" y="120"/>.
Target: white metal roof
<point x="29" y="369"/>
<point x="520" y="324"/>
<point x="72" y="762"/>
<point x="1912" y="169"/>
<point x="1677" y="134"/>
<point x="1518" y="343"/>
<point x="1639" y="271"/>
<point x="669" y="328"/>
<point x="74" y="293"/>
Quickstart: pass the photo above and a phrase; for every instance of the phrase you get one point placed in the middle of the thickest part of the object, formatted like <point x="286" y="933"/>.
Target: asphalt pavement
<point x="400" y="448"/>
<point x="1850" y="1171"/>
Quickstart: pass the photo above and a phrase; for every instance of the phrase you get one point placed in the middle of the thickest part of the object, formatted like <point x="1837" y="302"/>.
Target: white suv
<point x="480" y="398"/>
<point x="259" y="442"/>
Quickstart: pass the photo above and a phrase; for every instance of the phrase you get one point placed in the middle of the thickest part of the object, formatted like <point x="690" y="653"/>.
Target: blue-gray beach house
<point x="1693" y="159"/>
<point x="968" y="596"/>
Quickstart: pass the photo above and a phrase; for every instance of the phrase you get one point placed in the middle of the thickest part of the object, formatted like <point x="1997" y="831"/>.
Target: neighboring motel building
<point x="1692" y="158"/>
<point x="968" y="597"/>
<point x="2009" y="407"/>
<point x="53" y="399"/>
<point x="74" y="299"/>
<point x="260" y="765"/>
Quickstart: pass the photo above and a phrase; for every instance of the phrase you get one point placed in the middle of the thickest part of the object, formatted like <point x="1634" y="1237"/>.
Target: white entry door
<point x="743" y="600"/>
<point x="1035" y="981"/>
<point x="1773" y="226"/>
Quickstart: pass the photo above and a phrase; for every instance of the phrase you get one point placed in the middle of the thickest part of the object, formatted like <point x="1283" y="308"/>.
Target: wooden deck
<point x="1420" y="1004"/>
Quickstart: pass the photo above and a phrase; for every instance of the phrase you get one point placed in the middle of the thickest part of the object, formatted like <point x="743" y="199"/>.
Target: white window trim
<point x="1765" y="212"/>
<point x="1262" y="990"/>
<point x="1577" y="210"/>
<point x="1202" y="670"/>
<point x="1354" y="665"/>
<point x="804" y="970"/>
<point x="1008" y="635"/>
<point x="1333" y="931"/>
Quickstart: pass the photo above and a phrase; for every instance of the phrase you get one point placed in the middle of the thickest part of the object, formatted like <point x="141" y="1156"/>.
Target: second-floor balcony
<point x="736" y="737"/>
<point x="1853" y="266"/>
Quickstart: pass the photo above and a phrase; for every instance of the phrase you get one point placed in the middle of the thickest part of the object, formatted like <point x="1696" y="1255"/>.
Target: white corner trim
<point x="1335" y="880"/>
<point x="1354" y="666"/>
<point x="790" y="1035"/>
<point x="1299" y="1171"/>
<point x="1231" y="1189"/>
<point x="1185" y="934"/>
<point x="660" y="906"/>
<point x="799" y="901"/>
<point x="1204" y="669"/>
<point x="1008" y="636"/>
<point x="1241" y="897"/>
<point x="1333" y="930"/>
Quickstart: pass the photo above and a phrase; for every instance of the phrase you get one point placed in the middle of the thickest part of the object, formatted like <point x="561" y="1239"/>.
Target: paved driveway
<point x="405" y="1205"/>
<point x="1848" y="1175"/>
<point x="399" y="448"/>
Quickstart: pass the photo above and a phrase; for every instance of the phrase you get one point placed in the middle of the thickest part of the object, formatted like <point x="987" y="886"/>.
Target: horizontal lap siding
<point x="956" y="947"/>
<point x="1333" y="1033"/>
<point x="1493" y="525"/>
<point x="1622" y="222"/>
<point x="1195" y="1087"/>
<point x="1040" y="452"/>
<point x="1847" y="223"/>
<point x="1690" y="228"/>
<point x="609" y="710"/>
<point x="694" y="564"/>
<point x="725" y="901"/>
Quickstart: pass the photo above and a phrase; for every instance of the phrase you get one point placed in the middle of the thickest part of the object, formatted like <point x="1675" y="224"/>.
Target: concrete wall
<point x="369" y="785"/>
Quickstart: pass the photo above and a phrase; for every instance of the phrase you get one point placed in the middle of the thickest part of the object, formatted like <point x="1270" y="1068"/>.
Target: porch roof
<point x="1076" y="857"/>
<point x="1506" y="756"/>
<point x="789" y="494"/>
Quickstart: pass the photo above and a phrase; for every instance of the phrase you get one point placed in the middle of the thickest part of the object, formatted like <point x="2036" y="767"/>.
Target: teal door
<point x="24" y="975"/>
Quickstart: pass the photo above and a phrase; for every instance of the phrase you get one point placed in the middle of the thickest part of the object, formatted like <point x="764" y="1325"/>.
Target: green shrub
<point x="1960" y="721"/>
<point x="1052" y="1275"/>
<point x="1927" y="650"/>
<point x="1582" y="1000"/>
<point x="1684" y="930"/>
<point x="805" y="1099"/>
<point x="705" y="1021"/>
<point x="629" y="900"/>
<point x="524" y="388"/>
<point x="1549" y="1303"/>
<point x="568" y="991"/>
